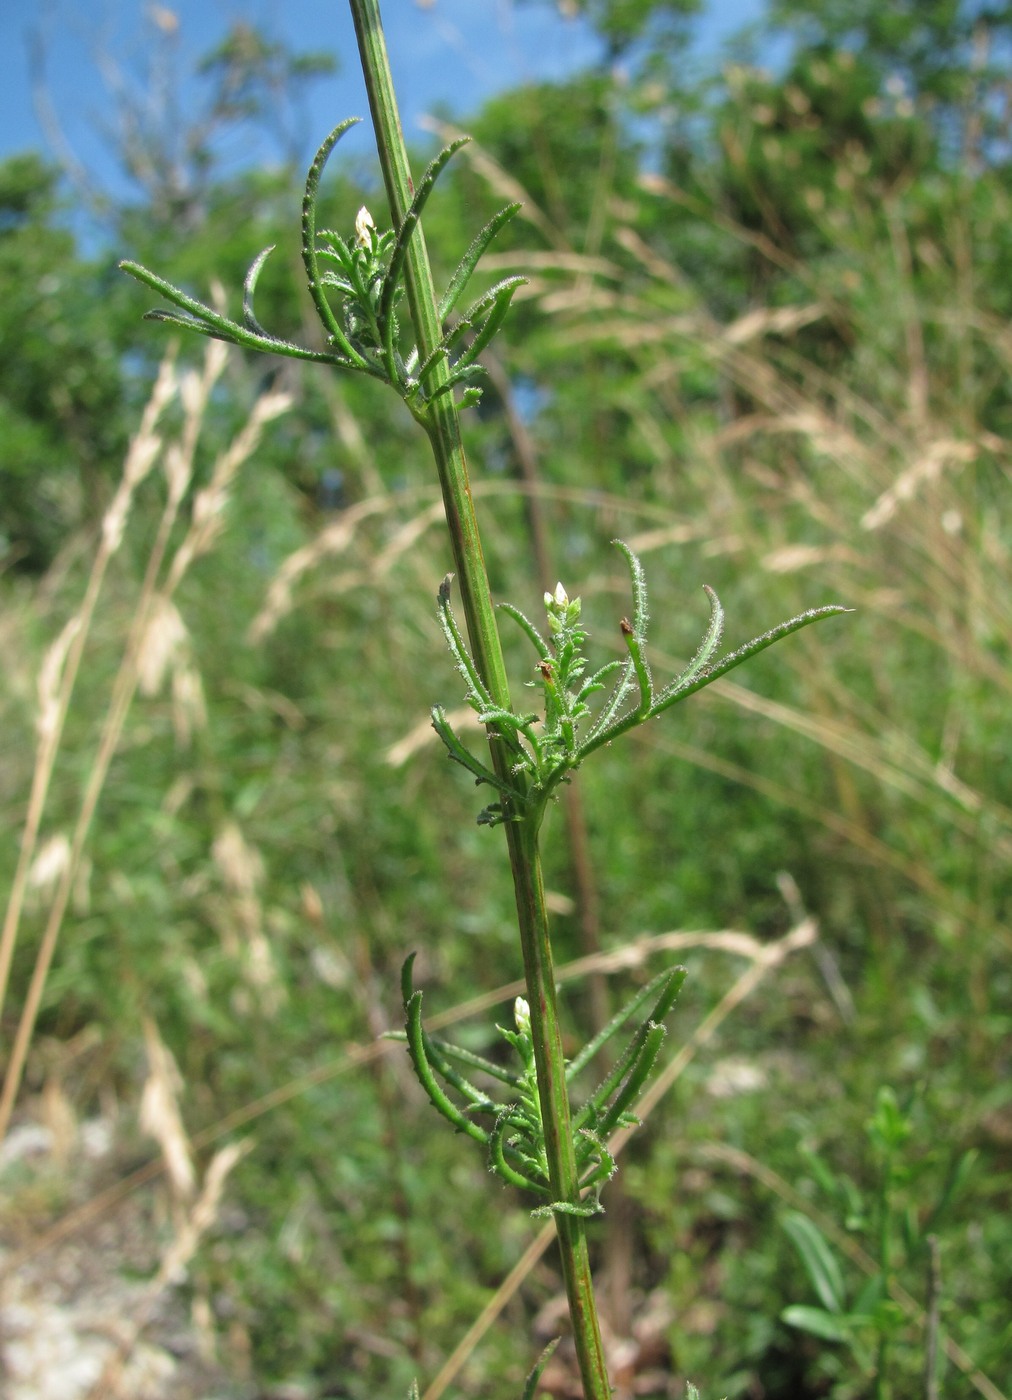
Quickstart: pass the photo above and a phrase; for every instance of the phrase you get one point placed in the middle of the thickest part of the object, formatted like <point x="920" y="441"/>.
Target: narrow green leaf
<point x="535" y="1375"/>
<point x="206" y="321"/>
<point x="498" y="300"/>
<point x="584" y="1056"/>
<point x="819" y="1260"/>
<point x="528" y="628"/>
<point x="596" y="681"/>
<point x="478" y="696"/>
<point x="584" y="1211"/>
<point x="610" y="715"/>
<point x="639" y="589"/>
<point x="816" y="1322"/>
<point x="711" y="641"/>
<point x="499" y="1164"/>
<point x="752" y="648"/>
<point x="646" y="1054"/>
<point x="955" y="1181"/>
<point x="470" y="260"/>
<point x="820" y="1170"/>
<point x="197" y="309"/>
<point x="479" y="1102"/>
<point x="407" y="978"/>
<point x="889" y="1127"/>
<point x="641" y="669"/>
<point x="669" y="992"/>
<point x="439" y="1100"/>
<point x="249" y="287"/>
<point x="309" y="250"/>
<point x="463" y="755"/>
<point x="475" y="1061"/>
<point x="189" y="323"/>
<point x="588" y="1145"/>
<point x="870" y="1296"/>
<point x="412" y="214"/>
<point x="611" y="718"/>
<point x="441" y="352"/>
<point x="630" y="1072"/>
<point x="495" y="303"/>
<point x="507" y="719"/>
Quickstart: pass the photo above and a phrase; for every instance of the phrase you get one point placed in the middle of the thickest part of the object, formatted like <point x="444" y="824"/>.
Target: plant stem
<point x="443" y="428"/>
<point x="441" y="423"/>
<point x="532" y="915"/>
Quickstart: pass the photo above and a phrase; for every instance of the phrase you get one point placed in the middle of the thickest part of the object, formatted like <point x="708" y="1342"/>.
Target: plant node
<point x="365" y="275"/>
<point x="545" y="748"/>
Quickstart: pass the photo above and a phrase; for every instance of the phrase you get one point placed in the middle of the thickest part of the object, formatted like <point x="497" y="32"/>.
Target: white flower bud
<point x="561" y="612"/>
<point x="364" y="227"/>
<point x="522" y="1016"/>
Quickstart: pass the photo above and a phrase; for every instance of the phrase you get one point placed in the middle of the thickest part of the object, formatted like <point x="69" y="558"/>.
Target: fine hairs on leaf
<point x="515" y="1140"/>
<point x="367" y="271"/>
<point x="547" y="749"/>
<point x="536" y="1373"/>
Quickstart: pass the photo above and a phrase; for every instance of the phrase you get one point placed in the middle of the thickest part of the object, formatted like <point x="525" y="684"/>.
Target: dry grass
<point x="155" y="652"/>
<point x="155" y="644"/>
<point x="870" y="490"/>
<point x="876" y="486"/>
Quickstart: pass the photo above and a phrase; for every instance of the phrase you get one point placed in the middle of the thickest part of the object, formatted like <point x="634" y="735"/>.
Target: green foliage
<point x="900" y="1222"/>
<point x="516" y="1142"/>
<point x="254" y="73"/>
<point x="623" y="24"/>
<point x="546" y="750"/>
<point x="53" y="312"/>
<point x="367" y="274"/>
<point x="941" y="46"/>
<point x="870" y="764"/>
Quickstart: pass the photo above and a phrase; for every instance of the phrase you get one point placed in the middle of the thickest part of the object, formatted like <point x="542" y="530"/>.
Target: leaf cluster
<point x="868" y="1319"/>
<point x="515" y="1141"/>
<point x="545" y="749"/>
<point x="366" y="272"/>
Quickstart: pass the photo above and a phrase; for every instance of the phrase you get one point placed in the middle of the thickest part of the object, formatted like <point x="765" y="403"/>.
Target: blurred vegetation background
<point x="766" y="341"/>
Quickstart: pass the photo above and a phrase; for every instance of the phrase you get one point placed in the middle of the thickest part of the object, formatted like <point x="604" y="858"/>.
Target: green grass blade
<point x="819" y="1260"/>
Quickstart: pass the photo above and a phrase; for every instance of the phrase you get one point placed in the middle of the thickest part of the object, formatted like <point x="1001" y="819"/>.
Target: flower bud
<point x="522" y="1016"/>
<point x="364" y="227"/>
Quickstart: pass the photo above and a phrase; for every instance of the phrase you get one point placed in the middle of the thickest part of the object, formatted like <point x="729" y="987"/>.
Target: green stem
<point x="442" y="425"/>
<point x="532" y="915"/>
<point x="440" y="416"/>
<point x="885" y="1264"/>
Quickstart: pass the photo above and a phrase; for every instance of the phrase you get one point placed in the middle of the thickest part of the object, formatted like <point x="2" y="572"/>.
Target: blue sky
<point x="448" y="52"/>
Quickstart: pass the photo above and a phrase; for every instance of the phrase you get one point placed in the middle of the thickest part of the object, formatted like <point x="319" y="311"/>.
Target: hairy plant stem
<point x="441" y="423"/>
